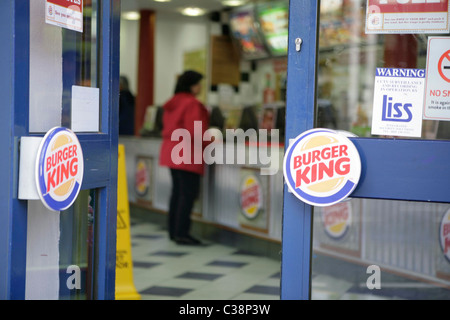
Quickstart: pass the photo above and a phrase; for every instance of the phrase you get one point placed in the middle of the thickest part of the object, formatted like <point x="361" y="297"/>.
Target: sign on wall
<point x="253" y="199"/>
<point x="143" y="179"/>
<point x="65" y="13"/>
<point x="437" y="88"/>
<point x="444" y="235"/>
<point x="407" y="16"/>
<point x="398" y="102"/>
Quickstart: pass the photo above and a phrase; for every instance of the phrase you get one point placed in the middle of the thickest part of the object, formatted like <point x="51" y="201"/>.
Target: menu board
<point x="246" y="34"/>
<point x="274" y="21"/>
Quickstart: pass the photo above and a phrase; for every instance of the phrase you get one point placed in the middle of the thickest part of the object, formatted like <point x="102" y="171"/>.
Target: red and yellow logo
<point x="59" y="169"/>
<point x="444" y="235"/>
<point x="141" y="176"/>
<point x="322" y="167"/>
<point x="251" y="197"/>
<point x="337" y="219"/>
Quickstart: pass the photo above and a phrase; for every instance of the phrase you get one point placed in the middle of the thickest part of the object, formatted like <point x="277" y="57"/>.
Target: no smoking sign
<point x="437" y="88"/>
<point x="444" y="66"/>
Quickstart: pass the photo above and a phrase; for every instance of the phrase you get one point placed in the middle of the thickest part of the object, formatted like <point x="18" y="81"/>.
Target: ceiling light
<point x="131" y="15"/>
<point x="193" y="12"/>
<point x="233" y="3"/>
<point x="162" y="0"/>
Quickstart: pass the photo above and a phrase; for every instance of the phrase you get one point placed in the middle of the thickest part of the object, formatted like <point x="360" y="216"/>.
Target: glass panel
<point x="362" y="248"/>
<point x="348" y="59"/>
<point x="381" y="249"/>
<point x="80" y="58"/>
<point x="76" y="248"/>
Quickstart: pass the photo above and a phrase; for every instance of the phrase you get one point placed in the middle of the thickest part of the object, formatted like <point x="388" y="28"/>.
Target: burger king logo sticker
<point x="59" y="169"/>
<point x="251" y="197"/>
<point x="444" y="235"/>
<point x="322" y="167"/>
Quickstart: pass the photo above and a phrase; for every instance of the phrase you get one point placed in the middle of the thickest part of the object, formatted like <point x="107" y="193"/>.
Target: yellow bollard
<point x="125" y="289"/>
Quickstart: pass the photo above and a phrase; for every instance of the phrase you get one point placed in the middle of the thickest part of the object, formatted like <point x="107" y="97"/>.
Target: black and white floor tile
<point x="163" y="270"/>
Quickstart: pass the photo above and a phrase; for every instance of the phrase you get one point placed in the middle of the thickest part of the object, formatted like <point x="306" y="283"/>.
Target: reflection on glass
<point x="76" y="248"/>
<point x="407" y="243"/>
<point x="348" y="59"/>
<point x="80" y="52"/>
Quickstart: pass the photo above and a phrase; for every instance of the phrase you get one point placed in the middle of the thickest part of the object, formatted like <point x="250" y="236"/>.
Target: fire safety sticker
<point x="322" y="167"/>
<point x="59" y="169"/>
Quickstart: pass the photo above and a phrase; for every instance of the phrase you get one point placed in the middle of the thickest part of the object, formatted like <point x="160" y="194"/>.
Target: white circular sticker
<point x="59" y="169"/>
<point x="322" y="167"/>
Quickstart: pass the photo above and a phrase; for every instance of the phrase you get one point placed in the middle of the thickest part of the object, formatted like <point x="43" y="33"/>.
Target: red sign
<point x="407" y="16"/>
<point x="65" y="13"/>
<point x="398" y="6"/>
<point x="72" y="4"/>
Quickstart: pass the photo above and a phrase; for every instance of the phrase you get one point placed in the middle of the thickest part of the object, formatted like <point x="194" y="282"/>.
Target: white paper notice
<point x="398" y="102"/>
<point x="437" y="90"/>
<point x="85" y="109"/>
<point x="65" y="13"/>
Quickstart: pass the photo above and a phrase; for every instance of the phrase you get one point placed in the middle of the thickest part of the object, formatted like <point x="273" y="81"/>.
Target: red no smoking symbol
<point x="444" y="66"/>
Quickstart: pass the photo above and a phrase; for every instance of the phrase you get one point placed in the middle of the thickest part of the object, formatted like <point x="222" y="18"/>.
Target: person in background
<point x="126" y="108"/>
<point x="180" y="112"/>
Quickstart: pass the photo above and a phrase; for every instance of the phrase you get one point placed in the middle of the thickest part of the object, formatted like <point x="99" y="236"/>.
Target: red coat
<point x="180" y="112"/>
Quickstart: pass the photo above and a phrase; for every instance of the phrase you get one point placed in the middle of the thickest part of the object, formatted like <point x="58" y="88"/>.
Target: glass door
<point x="357" y="73"/>
<point x="64" y="73"/>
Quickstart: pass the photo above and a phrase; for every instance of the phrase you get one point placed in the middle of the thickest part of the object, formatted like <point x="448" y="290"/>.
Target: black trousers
<point x="185" y="188"/>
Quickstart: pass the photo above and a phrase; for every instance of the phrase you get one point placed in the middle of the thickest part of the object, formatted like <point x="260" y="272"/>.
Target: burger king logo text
<point x="337" y="219"/>
<point x="59" y="169"/>
<point x="322" y="167"/>
<point x="444" y="235"/>
<point x="251" y="197"/>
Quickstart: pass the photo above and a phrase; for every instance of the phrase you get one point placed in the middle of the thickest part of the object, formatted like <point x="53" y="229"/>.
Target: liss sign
<point x="322" y="167"/>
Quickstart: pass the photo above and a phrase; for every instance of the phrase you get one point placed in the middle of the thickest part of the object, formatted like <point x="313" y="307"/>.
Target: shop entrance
<point x="395" y="222"/>
<point x="59" y="62"/>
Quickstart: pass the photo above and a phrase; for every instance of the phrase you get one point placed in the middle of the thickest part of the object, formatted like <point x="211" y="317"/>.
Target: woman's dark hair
<point x="187" y="80"/>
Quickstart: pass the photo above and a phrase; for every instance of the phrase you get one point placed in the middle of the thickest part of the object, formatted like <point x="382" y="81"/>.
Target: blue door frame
<point x="415" y="170"/>
<point x="100" y="150"/>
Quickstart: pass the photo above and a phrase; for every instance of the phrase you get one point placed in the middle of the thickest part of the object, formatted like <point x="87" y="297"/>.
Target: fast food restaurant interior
<point x="241" y="49"/>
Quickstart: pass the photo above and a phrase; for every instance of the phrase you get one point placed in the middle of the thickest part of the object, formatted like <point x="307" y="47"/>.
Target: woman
<point x="180" y="153"/>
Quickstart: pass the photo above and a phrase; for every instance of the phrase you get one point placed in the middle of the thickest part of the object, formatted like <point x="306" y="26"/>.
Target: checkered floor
<point x="165" y="270"/>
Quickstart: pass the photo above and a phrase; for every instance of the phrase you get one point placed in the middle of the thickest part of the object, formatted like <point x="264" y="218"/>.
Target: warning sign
<point x="437" y="88"/>
<point x="125" y="289"/>
<point x="398" y="102"/>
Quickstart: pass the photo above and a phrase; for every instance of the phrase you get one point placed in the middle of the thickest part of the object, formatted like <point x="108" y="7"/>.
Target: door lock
<point x="298" y="44"/>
